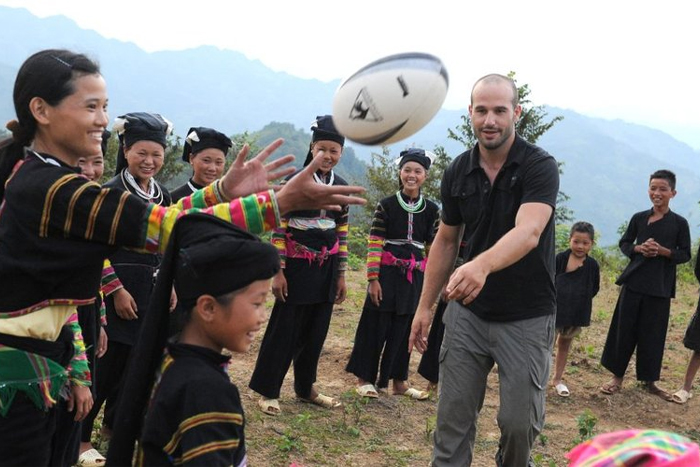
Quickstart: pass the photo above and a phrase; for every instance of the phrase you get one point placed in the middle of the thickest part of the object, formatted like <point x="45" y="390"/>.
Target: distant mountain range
<point x="606" y="162"/>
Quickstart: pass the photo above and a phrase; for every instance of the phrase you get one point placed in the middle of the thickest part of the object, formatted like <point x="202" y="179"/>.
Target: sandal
<point x="610" y="388"/>
<point x="416" y="394"/>
<point x="270" y="406"/>
<point x="323" y="401"/>
<point x="681" y="396"/>
<point x="562" y="390"/>
<point x="91" y="458"/>
<point x="657" y="391"/>
<point x="368" y="390"/>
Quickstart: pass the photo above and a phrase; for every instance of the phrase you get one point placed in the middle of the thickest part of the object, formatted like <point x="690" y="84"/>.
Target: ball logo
<point x="402" y="83"/>
<point x="364" y="108"/>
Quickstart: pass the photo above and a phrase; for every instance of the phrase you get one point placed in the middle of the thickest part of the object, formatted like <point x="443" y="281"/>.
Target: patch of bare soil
<point x="393" y="430"/>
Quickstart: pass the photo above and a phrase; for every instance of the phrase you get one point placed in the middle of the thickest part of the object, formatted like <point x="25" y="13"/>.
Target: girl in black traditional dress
<point x="313" y="249"/>
<point x="128" y="282"/>
<point x="205" y="150"/>
<point x="403" y="228"/>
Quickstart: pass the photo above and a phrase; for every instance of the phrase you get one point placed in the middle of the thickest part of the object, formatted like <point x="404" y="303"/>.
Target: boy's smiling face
<point x="235" y="325"/>
<point x="660" y="192"/>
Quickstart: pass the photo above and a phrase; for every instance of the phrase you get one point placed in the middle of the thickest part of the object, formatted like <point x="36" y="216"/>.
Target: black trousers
<point x="295" y="333"/>
<point x="639" y="321"/>
<point x="107" y="386"/>
<point x="429" y="366"/>
<point x="26" y="433"/>
<point x="381" y="335"/>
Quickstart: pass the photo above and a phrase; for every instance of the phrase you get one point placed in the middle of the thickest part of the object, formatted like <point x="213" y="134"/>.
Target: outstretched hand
<point x="302" y="192"/>
<point x="244" y="178"/>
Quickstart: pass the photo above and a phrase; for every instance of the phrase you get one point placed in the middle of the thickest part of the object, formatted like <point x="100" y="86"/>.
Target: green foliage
<point x="586" y="423"/>
<point x="357" y="244"/>
<point x="531" y="126"/>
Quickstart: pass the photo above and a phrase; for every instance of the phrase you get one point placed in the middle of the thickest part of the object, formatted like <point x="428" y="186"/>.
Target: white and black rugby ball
<point x="390" y="99"/>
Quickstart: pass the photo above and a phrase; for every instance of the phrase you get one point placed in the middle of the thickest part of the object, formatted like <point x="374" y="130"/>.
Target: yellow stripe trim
<point x="48" y="201"/>
<point x="117" y="216"/>
<point x="201" y="419"/>
<point x="96" y="205"/>
<point x="207" y="448"/>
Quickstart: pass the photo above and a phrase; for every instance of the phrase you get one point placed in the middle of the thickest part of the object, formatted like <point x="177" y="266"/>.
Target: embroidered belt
<point x="297" y="250"/>
<point x="406" y="265"/>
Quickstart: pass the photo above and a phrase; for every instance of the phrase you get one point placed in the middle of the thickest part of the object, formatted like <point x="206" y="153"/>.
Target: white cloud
<point x="634" y="60"/>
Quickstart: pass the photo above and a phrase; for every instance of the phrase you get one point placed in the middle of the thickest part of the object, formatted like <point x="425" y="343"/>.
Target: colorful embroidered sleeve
<point x="256" y="213"/>
<point x="342" y="226"/>
<point x="279" y="240"/>
<point x="375" y="245"/>
<point x="103" y="311"/>
<point x="74" y="207"/>
<point x="110" y="281"/>
<point x="78" y="371"/>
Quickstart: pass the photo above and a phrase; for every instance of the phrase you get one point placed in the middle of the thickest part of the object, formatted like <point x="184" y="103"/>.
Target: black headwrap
<point x="323" y="129"/>
<point x="106" y="134"/>
<point x="201" y="138"/>
<point x="205" y="255"/>
<point x="416" y="155"/>
<point x="140" y="126"/>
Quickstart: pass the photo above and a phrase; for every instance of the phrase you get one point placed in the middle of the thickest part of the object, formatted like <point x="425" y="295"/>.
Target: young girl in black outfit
<point x="403" y="228"/>
<point x="577" y="281"/>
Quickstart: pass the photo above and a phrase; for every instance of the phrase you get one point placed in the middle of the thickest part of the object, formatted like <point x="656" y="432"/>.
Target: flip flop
<point x="270" y="406"/>
<point x="91" y="458"/>
<point x="657" y="391"/>
<point x="562" y="390"/>
<point x="323" y="401"/>
<point x="368" y="390"/>
<point x="610" y="388"/>
<point x="416" y="394"/>
<point x="681" y="396"/>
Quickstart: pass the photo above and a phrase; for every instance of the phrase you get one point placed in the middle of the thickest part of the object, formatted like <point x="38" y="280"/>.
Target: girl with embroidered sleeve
<point x="56" y="228"/>
<point x="403" y="228"/>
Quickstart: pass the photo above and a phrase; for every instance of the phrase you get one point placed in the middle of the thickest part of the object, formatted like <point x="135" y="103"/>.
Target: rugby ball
<point x="390" y="99"/>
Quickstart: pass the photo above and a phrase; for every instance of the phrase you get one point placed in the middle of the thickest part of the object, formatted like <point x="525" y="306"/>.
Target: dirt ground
<point x="393" y="430"/>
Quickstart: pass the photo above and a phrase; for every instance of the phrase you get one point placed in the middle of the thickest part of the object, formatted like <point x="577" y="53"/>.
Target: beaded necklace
<point x="154" y="194"/>
<point x="412" y="208"/>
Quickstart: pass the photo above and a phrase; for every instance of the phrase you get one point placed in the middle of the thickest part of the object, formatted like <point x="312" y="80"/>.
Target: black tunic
<point x="575" y="291"/>
<point x="195" y="416"/>
<point x="314" y="283"/>
<point x="655" y="276"/>
<point x="392" y="222"/>
<point x="136" y="272"/>
<point x="185" y="190"/>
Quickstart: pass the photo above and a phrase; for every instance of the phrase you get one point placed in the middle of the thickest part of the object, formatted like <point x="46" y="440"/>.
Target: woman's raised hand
<point x="244" y="178"/>
<point x="302" y="192"/>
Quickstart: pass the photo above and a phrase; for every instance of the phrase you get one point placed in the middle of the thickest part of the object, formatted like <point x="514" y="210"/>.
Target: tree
<point x="530" y="126"/>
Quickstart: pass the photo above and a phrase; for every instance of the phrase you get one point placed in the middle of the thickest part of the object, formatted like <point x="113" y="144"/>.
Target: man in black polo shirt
<point x="503" y="193"/>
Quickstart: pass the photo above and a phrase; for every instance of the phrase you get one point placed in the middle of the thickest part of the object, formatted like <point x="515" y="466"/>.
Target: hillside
<point x="606" y="162"/>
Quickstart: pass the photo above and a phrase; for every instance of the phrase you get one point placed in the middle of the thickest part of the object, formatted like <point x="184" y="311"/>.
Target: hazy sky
<point x="633" y="60"/>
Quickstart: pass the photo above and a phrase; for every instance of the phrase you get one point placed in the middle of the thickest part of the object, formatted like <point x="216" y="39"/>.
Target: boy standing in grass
<point x="222" y="276"/>
<point x="656" y="240"/>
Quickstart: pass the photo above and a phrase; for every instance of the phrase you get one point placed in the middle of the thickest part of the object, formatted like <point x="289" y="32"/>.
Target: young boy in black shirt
<point x="656" y="240"/>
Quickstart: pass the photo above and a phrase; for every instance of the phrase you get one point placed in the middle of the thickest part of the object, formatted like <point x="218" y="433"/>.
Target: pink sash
<point x="407" y="265"/>
<point x="297" y="250"/>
